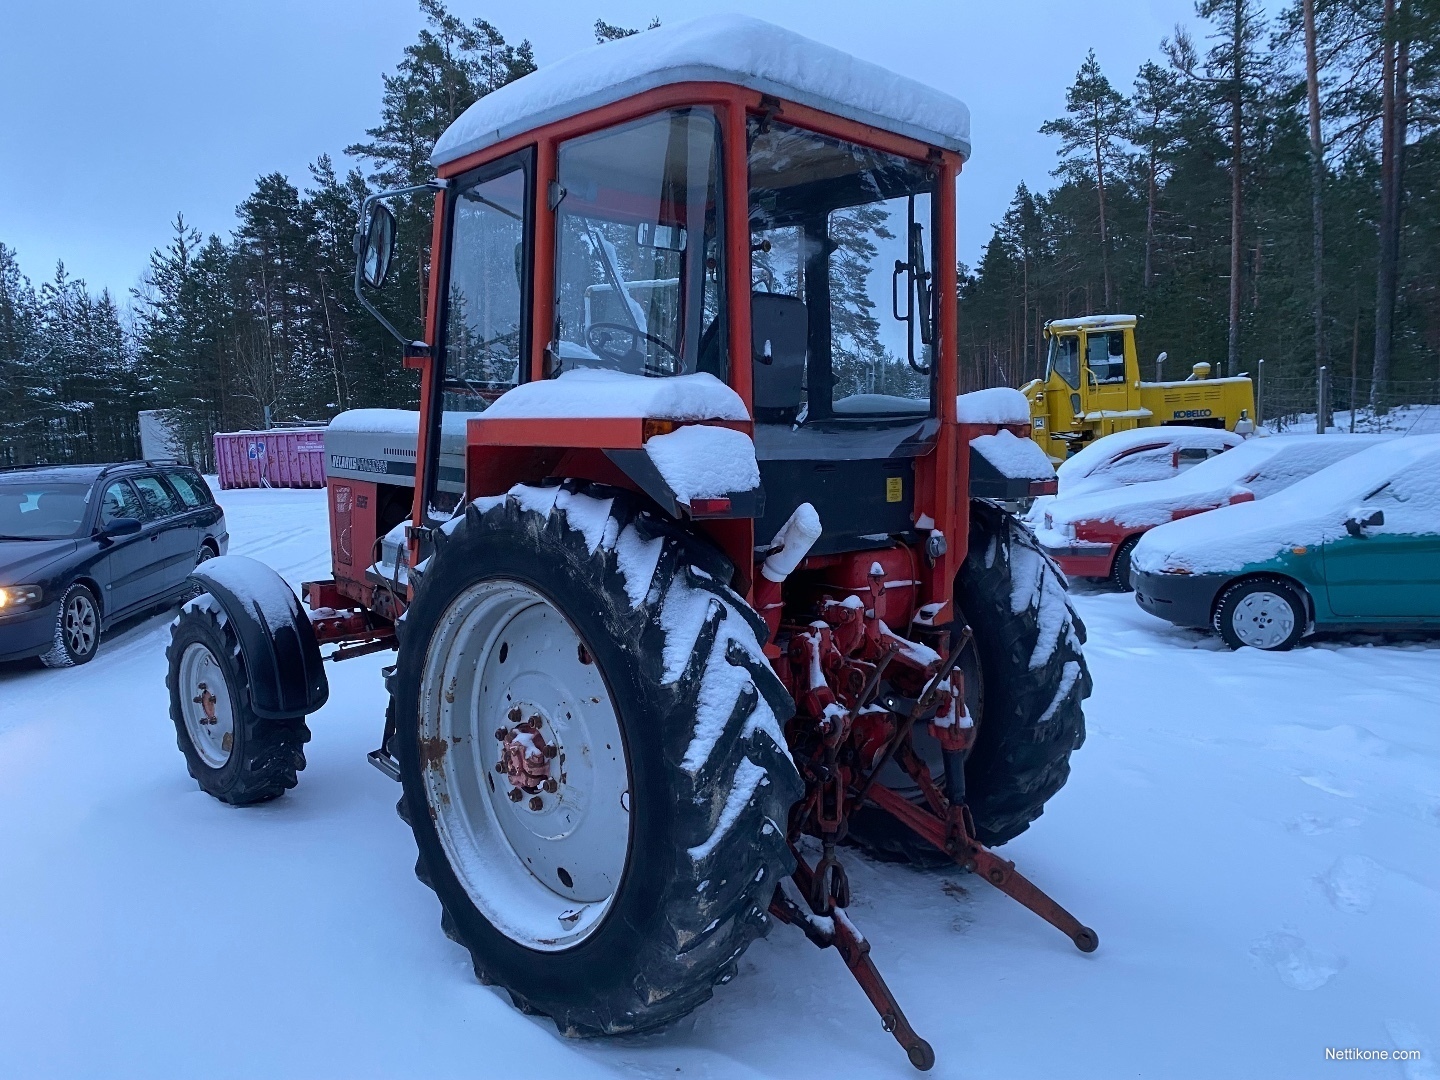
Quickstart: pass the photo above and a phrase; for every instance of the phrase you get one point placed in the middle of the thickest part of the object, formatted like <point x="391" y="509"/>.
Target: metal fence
<point x="1343" y="400"/>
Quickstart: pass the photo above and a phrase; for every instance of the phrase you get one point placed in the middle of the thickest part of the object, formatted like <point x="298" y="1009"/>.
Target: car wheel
<point x="1120" y="568"/>
<point x="77" y="629"/>
<point x="1261" y="614"/>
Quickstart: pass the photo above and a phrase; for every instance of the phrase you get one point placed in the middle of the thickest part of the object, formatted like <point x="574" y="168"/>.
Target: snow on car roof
<point x="1275" y="463"/>
<point x="1310" y="512"/>
<point x="1104" y="450"/>
<point x="732" y="49"/>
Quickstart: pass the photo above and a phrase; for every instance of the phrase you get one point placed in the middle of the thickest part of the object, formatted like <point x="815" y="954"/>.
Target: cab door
<point x="1104" y="388"/>
<point x="1390" y="570"/>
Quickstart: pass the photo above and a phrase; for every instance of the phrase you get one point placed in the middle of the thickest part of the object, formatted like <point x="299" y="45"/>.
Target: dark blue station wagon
<point x="84" y="546"/>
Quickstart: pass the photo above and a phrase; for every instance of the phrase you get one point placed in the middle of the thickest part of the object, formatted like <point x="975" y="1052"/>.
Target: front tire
<point x="77" y="629"/>
<point x="1261" y="613"/>
<point x="635" y="860"/>
<point x="1120" y="568"/>
<point x="233" y="754"/>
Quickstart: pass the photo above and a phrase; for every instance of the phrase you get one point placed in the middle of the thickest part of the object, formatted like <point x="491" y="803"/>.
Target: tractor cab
<point x="701" y="214"/>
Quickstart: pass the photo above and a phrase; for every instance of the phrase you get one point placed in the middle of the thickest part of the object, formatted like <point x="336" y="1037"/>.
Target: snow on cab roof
<point x="732" y="49"/>
<point x="1092" y="322"/>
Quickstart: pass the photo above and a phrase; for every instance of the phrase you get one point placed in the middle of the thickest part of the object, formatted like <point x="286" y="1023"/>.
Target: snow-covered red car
<point x="1355" y="547"/>
<point x="1140" y="455"/>
<point x="1092" y="535"/>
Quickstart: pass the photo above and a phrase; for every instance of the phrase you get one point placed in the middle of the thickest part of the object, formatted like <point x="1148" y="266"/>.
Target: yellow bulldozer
<point x="1092" y="388"/>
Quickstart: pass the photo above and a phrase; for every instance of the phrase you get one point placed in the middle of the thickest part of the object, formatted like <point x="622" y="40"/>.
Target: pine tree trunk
<point x="1232" y="345"/>
<point x="1388" y="258"/>
<point x="1104" y="239"/>
<point x="1317" y="181"/>
<point x="1150" y="217"/>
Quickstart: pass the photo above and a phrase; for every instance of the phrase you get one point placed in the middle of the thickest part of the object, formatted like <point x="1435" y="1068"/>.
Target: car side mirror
<point x="1359" y="521"/>
<point x="122" y="526"/>
<point x="379" y="247"/>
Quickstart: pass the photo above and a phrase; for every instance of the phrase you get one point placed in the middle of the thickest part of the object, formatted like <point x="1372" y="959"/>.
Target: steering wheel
<point x="621" y="343"/>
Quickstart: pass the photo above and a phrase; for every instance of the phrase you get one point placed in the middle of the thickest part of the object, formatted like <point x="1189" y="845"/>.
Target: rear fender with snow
<point x="282" y="658"/>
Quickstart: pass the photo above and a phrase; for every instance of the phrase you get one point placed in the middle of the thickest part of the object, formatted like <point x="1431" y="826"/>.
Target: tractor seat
<point x="779" y="330"/>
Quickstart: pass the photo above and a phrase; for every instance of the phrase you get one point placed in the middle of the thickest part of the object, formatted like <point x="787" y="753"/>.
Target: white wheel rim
<point x="80" y="624"/>
<point x="544" y="873"/>
<point x="1263" y="620"/>
<point x="205" y="704"/>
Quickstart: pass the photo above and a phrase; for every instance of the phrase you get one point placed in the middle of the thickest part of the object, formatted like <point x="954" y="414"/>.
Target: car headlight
<point x="15" y="597"/>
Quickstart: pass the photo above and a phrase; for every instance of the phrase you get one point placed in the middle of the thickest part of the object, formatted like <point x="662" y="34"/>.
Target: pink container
<point x="280" y="457"/>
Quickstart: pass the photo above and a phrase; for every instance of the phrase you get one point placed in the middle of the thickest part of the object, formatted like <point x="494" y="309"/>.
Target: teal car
<point x="1356" y="546"/>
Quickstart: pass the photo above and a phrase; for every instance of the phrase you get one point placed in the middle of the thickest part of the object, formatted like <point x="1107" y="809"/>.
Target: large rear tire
<point x="1033" y="679"/>
<point x="614" y="886"/>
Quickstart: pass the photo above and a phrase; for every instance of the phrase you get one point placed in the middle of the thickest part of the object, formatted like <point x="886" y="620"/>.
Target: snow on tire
<point x="590" y="741"/>
<point x="233" y="754"/>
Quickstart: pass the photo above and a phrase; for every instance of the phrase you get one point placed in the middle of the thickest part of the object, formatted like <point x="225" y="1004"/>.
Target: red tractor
<point x="696" y="564"/>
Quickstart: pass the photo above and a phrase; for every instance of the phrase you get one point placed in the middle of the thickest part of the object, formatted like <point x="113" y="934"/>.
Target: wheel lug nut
<point x="536" y="803"/>
<point x="500" y="733"/>
<point x="551" y="751"/>
<point x="500" y="766"/>
<point x="515" y="795"/>
<point x="552" y="786"/>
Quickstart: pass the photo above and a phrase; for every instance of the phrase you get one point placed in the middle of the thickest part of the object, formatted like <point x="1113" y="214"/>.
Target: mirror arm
<point x="359" y="247"/>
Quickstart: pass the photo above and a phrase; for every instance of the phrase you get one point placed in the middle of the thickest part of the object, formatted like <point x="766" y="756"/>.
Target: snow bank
<point x="716" y="48"/>
<point x="1259" y="466"/>
<point x="701" y="462"/>
<point x="587" y="393"/>
<point x="1308" y="513"/>
<point x="997" y="405"/>
<point x="1017" y="458"/>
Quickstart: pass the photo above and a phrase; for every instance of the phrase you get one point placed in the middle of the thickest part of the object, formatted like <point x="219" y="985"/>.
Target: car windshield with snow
<point x="1356" y="546"/>
<point x="1140" y="455"/>
<point x="1092" y="535"/>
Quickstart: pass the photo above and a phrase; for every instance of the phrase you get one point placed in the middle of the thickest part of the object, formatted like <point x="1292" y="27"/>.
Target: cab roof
<point x="1092" y="322"/>
<point x="733" y="49"/>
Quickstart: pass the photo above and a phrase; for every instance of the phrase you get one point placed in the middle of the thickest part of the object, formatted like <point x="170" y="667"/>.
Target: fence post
<point x="1322" y="399"/>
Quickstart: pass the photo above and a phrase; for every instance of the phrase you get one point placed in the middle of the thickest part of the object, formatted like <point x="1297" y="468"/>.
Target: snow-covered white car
<point x="1141" y="455"/>
<point x="1356" y="546"/>
<point x="1093" y="535"/>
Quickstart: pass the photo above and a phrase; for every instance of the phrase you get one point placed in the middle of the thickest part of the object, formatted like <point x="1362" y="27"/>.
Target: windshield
<point x="42" y="511"/>
<point x="637" y="266"/>
<point x="841" y="240"/>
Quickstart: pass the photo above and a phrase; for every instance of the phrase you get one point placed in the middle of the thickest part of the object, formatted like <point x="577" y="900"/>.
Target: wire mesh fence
<point x="1347" y="402"/>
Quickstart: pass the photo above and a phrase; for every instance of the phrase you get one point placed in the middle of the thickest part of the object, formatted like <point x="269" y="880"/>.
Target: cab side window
<point x="190" y="488"/>
<point x="156" y="498"/>
<point x="119" y="501"/>
<point x="1105" y="354"/>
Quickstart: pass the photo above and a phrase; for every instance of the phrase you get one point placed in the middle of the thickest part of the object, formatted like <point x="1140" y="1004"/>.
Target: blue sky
<point x="113" y="116"/>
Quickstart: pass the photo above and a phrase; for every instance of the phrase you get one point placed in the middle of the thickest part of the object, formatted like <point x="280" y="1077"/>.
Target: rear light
<point x="1044" y="487"/>
<point x="1178" y="571"/>
<point x="709" y="507"/>
<point x="657" y="427"/>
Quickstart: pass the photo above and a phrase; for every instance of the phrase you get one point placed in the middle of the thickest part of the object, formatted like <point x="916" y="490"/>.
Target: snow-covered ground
<point x="1255" y="836"/>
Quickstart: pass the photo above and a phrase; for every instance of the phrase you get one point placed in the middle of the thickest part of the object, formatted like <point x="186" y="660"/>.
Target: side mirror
<point x="379" y="249"/>
<point x="123" y="526"/>
<point x="1359" y="521"/>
